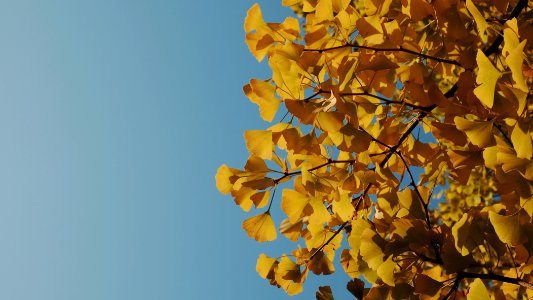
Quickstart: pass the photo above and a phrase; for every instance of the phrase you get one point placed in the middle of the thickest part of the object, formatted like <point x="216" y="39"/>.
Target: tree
<point x="404" y="149"/>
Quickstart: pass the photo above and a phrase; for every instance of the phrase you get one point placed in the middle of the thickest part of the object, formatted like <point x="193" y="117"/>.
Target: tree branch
<point x="462" y="275"/>
<point x="399" y="49"/>
<point x="415" y="186"/>
<point x="329" y="162"/>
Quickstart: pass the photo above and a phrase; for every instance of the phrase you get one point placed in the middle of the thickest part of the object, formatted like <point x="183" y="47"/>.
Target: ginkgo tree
<point x="403" y="150"/>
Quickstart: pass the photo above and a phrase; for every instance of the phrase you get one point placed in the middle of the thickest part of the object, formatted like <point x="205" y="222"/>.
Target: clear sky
<point x="114" y="116"/>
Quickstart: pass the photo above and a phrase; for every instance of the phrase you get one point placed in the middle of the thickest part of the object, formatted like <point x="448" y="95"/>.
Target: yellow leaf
<point x="507" y="227"/>
<point x="487" y="76"/>
<point x="224" y="185"/>
<point x="259" y="143"/>
<point x="254" y="18"/>
<point x="350" y="139"/>
<point x="289" y="276"/>
<point x="510" y="36"/>
<point x="343" y="207"/>
<point x="293" y="204"/>
<point x="372" y="248"/>
<point x="329" y="121"/>
<point x="514" y="61"/>
<point x="409" y="200"/>
<point x="261" y="227"/>
<point x="467" y="233"/>
<point x="319" y="213"/>
<point x="291" y="27"/>
<point x="521" y="139"/>
<point x="290" y="230"/>
<point x="262" y="93"/>
<point x="324" y="11"/>
<point x="377" y="7"/>
<point x="510" y="161"/>
<point x="260" y="199"/>
<point x="242" y="198"/>
<point x="490" y="157"/>
<point x="287" y="75"/>
<point x="259" y="36"/>
<point x="256" y="165"/>
<point x="370" y="28"/>
<point x="259" y="44"/>
<point x="479" y="133"/>
<point x="265" y="265"/>
<point x="340" y="5"/>
<point x="358" y="226"/>
<point x="481" y="24"/>
<point x="478" y="291"/>
<point x="386" y="271"/>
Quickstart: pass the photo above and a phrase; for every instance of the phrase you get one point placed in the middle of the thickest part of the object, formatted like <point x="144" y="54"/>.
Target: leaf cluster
<point x="405" y="148"/>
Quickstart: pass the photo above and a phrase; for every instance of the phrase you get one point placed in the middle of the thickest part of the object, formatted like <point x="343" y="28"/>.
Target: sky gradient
<point x="114" y="117"/>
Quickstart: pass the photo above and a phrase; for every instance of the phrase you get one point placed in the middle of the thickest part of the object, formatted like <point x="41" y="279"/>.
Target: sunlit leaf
<point x="479" y="133"/>
<point x="522" y="140"/>
<point x="386" y="271"/>
<point x="261" y="227"/>
<point x="262" y="93"/>
<point x="324" y="11"/>
<point x="372" y="248"/>
<point x="507" y="227"/>
<point x="224" y="185"/>
<point x="478" y="291"/>
<point x="481" y="24"/>
<point x="259" y="143"/>
<point x="487" y="76"/>
<point x="265" y="265"/>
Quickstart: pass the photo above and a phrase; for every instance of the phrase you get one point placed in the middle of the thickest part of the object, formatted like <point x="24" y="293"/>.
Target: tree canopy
<point x="403" y="150"/>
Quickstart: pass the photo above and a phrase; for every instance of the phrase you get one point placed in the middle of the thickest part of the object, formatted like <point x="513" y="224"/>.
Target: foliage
<point x="407" y="138"/>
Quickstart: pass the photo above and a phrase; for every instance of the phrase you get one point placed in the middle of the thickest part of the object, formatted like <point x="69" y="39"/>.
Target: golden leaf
<point x="293" y="204"/>
<point x="265" y="265"/>
<point x="514" y="60"/>
<point x="507" y="227"/>
<point x="343" y="207"/>
<point x="481" y="24"/>
<point x="467" y="233"/>
<point x="261" y="227"/>
<point x="386" y="271"/>
<point x="289" y="276"/>
<point x="522" y="140"/>
<point x="259" y="143"/>
<point x="291" y="230"/>
<point x="324" y="11"/>
<point x="479" y="133"/>
<point x="478" y="291"/>
<point x="224" y="184"/>
<point x="372" y="248"/>
<point x="487" y="76"/>
<point x="262" y="93"/>
<point x="254" y="19"/>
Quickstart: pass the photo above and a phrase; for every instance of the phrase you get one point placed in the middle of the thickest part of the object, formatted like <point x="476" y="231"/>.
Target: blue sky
<point x="114" y="116"/>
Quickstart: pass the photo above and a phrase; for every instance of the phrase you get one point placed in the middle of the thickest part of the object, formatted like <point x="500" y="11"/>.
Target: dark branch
<point x="329" y="162"/>
<point x="400" y="49"/>
<point x="507" y="139"/>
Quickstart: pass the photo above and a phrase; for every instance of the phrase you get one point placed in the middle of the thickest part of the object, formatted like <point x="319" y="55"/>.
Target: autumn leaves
<point x="365" y="92"/>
